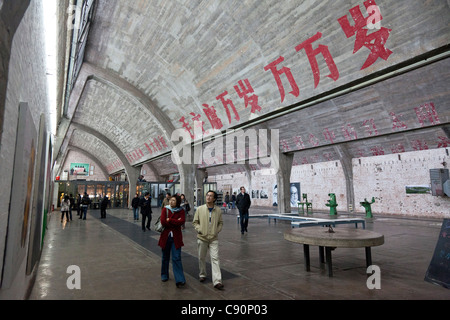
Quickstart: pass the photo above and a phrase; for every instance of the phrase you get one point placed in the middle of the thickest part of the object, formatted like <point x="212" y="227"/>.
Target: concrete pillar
<point x="133" y="175"/>
<point x="200" y="175"/>
<point x="249" y="178"/>
<point x="283" y="168"/>
<point x="346" y="163"/>
<point x="187" y="181"/>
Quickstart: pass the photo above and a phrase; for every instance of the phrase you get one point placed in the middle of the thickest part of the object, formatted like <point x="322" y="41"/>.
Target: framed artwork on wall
<point x="37" y="212"/>
<point x="21" y="196"/>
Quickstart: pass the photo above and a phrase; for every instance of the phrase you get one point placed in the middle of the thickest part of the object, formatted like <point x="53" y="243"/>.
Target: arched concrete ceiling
<point x="127" y="128"/>
<point x="155" y="66"/>
<point x="92" y="144"/>
<point x="91" y="156"/>
<point x="164" y="166"/>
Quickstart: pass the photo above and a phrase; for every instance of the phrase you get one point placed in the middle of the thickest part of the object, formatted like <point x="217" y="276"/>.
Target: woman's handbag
<point x="158" y="225"/>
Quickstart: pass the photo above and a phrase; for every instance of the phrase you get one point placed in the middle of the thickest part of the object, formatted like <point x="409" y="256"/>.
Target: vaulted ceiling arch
<point x="100" y="165"/>
<point x="128" y="168"/>
<point x="112" y="79"/>
<point x="90" y="73"/>
<point x="173" y="57"/>
<point x="84" y="140"/>
<point x="79" y="140"/>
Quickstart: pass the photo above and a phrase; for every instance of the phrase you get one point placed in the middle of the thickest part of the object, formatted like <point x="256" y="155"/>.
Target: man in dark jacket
<point x="146" y="211"/>
<point x="243" y="203"/>
<point x="85" y="203"/>
<point x="103" y="206"/>
<point x="72" y="205"/>
<point x="135" y="205"/>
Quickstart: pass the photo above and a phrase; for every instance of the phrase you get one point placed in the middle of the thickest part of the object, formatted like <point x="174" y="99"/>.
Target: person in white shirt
<point x="208" y="223"/>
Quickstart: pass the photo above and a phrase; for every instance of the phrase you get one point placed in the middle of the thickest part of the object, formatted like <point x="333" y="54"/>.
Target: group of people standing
<point x="81" y="205"/>
<point x="207" y="222"/>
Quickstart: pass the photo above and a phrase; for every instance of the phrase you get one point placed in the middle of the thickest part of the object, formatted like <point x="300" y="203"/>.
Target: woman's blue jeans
<point x="176" y="262"/>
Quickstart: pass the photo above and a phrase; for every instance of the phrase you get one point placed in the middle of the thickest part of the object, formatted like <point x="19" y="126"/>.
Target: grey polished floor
<point x="117" y="260"/>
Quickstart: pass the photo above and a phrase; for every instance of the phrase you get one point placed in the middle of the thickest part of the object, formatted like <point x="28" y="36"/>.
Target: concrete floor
<point x="118" y="261"/>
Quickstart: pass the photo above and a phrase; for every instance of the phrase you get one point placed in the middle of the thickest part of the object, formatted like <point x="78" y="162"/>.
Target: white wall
<point x="389" y="176"/>
<point x="78" y="157"/>
<point x="382" y="177"/>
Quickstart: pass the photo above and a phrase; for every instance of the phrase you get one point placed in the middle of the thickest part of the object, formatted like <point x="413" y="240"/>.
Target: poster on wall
<point x="274" y="195"/>
<point x="294" y="190"/>
<point x="21" y="196"/>
<point x="79" y="169"/>
<point x="418" y="189"/>
<point x="263" y="194"/>
<point x="37" y="212"/>
<point x="295" y="194"/>
<point x="48" y="188"/>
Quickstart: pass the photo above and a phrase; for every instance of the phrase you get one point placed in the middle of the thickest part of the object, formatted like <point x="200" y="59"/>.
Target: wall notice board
<point x="439" y="270"/>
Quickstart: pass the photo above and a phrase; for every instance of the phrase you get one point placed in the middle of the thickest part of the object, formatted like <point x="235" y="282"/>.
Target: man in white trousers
<point x="208" y="223"/>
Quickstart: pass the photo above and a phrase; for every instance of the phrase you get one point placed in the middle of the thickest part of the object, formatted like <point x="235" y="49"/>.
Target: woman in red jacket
<point x="171" y="239"/>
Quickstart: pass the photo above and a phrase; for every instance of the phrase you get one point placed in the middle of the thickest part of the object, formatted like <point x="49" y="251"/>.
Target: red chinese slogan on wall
<point x="425" y="115"/>
<point x="360" y="26"/>
<point x="363" y="27"/>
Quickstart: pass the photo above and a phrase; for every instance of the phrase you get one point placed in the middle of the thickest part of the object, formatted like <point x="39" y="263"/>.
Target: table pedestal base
<point x="326" y="258"/>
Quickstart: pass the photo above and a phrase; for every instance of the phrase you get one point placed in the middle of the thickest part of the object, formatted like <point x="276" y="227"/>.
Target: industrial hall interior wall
<point x="377" y="133"/>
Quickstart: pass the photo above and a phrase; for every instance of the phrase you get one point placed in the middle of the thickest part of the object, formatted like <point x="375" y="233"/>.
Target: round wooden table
<point x="338" y="238"/>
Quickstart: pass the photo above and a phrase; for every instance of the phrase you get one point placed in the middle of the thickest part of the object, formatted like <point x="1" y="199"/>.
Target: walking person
<point x="65" y="205"/>
<point x="208" y="223"/>
<point x="227" y="200"/>
<point x="186" y="207"/>
<point x="171" y="240"/>
<point x="135" y="206"/>
<point x="103" y="206"/>
<point x="165" y="202"/>
<point x="72" y="205"/>
<point x="85" y="202"/>
<point x="233" y="200"/>
<point x="160" y="199"/>
<point x="78" y="204"/>
<point x="146" y="211"/>
<point x="243" y="203"/>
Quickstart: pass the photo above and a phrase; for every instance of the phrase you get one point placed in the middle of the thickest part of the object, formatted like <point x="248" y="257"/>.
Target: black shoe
<point x="180" y="284"/>
<point x="219" y="286"/>
<point x="202" y="279"/>
<point x="163" y="280"/>
<point x="143" y="230"/>
<point x="148" y="228"/>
